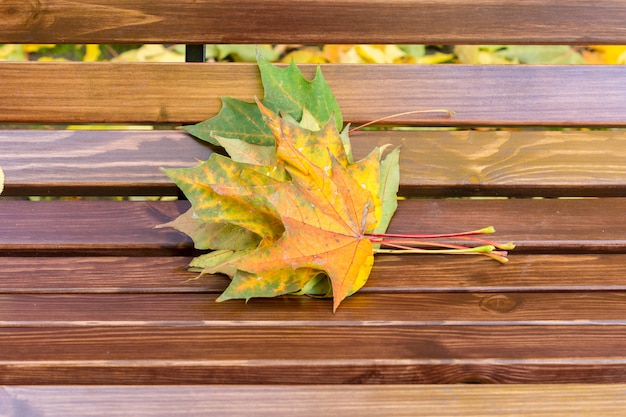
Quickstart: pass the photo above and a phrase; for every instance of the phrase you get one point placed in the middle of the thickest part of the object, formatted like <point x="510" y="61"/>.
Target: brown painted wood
<point x="522" y="163"/>
<point x="127" y="228"/>
<point x="188" y="93"/>
<point x="548" y="225"/>
<point x="313" y="401"/>
<point x="72" y="163"/>
<point x="284" y="372"/>
<point x="360" y="310"/>
<point x="410" y="274"/>
<point x="103" y="274"/>
<point x="386" y="353"/>
<point x="305" y="21"/>
<point x="433" y="163"/>
<point x="107" y="309"/>
<point x="62" y="227"/>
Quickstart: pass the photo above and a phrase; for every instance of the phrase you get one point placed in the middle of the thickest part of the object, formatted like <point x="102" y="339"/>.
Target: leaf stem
<point x="406" y="113"/>
<point x="503" y="246"/>
<point x="412" y="244"/>
<point x="486" y="249"/>
<point x="483" y="231"/>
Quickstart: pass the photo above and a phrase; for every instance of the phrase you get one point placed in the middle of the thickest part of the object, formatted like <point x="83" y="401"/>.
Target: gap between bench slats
<point x="128" y="228"/>
<point x="391" y="274"/>
<point x="188" y="93"/>
<point x="313" y="401"/>
<point x="312" y="354"/>
<point x="433" y="163"/>
<point x="281" y="21"/>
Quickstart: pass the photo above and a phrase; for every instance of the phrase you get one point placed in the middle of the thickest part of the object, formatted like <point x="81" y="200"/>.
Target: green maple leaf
<point x="237" y="119"/>
<point x="286" y="91"/>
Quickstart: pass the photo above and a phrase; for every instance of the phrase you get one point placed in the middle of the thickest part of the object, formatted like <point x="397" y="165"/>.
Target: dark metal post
<point x="195" y="53"/>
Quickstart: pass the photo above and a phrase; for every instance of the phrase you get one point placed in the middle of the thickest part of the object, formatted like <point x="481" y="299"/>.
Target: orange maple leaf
<point x="319" y="234"/>
<point x="324" y="210"/>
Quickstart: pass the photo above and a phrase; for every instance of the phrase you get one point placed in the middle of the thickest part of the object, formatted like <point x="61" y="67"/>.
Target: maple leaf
<point x="286" y="92"/>
<point x="332" y="245"/>
<point x="250" y="212"/>
<point x="324" y="210"/>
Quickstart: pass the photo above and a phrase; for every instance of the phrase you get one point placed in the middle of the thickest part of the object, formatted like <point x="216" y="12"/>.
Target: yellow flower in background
<point x="92" y="53"/>
<point x="366" y="54"/>
<point x="51" y="59"/>
<point x="612" y="54"/>
<point x="36" y="47"/>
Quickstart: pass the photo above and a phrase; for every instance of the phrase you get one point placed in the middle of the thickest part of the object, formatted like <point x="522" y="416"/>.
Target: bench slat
<point x="100" y="163"/>
<point x="127" y="228"/>
<point x="188" y="93"/>
<point x="309" y="354"/>
<point x="355" y="21"/>
<point x="312" y="401"/>
<point x="91" y="227"/>
<point x="362" y="310"/>
<point x="433" y="163"/>
<point x="137" y="275"/>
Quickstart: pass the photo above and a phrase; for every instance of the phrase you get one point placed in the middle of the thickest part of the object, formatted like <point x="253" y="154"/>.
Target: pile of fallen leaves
<point x="317" y="54"/>
<point x="290" y="211"/>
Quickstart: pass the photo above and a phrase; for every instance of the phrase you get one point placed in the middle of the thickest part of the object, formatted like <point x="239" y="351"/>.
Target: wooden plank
<point x="260" y="373"/>
<point x="102" y="274"/>
<point x="127" y="228"/>
<point x="433" y="163"/>
<point x="360" y="310"/>
<point x="188" y="93"/>
<point x="305" y="21"/>
<point x="522" y="164"/>
<point x="387" y="353"/>
<point x="88" y="227"/>
<point x="135" y="275"/>
<point x="78" y="163"/>
<point x="546" y="225"/>
<point x="315" y="400"/>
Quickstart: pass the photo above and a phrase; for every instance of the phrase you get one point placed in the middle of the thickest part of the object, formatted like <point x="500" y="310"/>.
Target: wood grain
<point x="433" y="163"/>
<point x="313" y="401"/>
<point x="92" y="293"/>
<point x="188" y="93"/>
<point x="62" y="227"/>
<point x="361" y="310"/>
<point x="128" y="228"/>
<point x="168" y="275"/>
<point x="306" y="21"/>
<point x="390" y="354"/>
<point x="65" y="162"/>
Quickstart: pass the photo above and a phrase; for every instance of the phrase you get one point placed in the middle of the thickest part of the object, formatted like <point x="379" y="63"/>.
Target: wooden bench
<point x="96" y="310"/>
